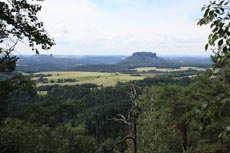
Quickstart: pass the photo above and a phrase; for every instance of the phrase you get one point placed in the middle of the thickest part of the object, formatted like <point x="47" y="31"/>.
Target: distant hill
<point x="42" y="56"/>
<point x="43" y="62"/>
<point x="144" y="59"/>
<point x="123" y="64"/>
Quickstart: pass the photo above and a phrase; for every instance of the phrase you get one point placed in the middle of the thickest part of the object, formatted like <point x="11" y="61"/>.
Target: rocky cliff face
<point x="149" y="54"/>
<point x="143" y="59"/>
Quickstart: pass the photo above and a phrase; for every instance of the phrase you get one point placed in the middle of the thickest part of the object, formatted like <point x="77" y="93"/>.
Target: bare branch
<point x="121" y="142"/>
<point x="130" y="120"/>
<point x="123" y="120"/>
<point x="132" y="93"/>
<point x="122" y="116"/>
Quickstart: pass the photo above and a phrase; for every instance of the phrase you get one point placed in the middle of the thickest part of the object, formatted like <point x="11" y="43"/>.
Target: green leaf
<point x="36" y="51"/>
<point x="225" y="50"/>
<point x="222" y="9"/>
<point x="214" y="30"/>
<point x="206" y="12"/>
<point x="210" y="36"/>
<point x="220" y="43"/>
<point x="211" y="13"/>
<point x="228" y="41"/>
<point x="221" y="2"/>
<point x="206" y="47"/>
<point x="203" y="8"/>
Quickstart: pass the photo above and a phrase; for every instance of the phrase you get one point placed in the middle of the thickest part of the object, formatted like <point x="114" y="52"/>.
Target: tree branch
<point x="121" y="142"/>
<point x="122" y="119"/>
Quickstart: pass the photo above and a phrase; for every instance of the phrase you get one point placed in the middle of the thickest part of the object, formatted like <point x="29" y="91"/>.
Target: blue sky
<point x="121" y="27"/>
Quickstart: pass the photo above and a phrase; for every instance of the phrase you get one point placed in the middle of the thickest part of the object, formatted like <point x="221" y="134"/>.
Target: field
<point x="42" y="93"/>
<point x="99" y="78"/>
<point x="146" y="69"/>
<point x="73" y="78"/>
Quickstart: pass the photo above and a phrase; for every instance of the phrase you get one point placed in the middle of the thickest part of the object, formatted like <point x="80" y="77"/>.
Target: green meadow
<point x="99" y="78"/>
<point x="105" y="79"/>
<point x="146" y="69"/>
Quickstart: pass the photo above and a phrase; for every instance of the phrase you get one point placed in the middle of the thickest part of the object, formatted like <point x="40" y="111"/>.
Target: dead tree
<point x="131" y="121"/>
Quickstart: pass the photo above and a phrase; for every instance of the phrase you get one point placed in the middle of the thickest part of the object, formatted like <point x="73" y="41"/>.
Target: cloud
<point x="124" y="26"/>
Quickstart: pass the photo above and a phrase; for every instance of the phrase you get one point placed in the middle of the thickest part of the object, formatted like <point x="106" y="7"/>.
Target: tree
<point x="215" y="110"/>
<point x="164" y="126"/>
<point x="131" y="121"/>
<point x="217" y="15"/>
<point x="9" y="90"/>
<point x="18" y="20"/>
<point x="23" y="137"/>
<point x="211" y="105"/>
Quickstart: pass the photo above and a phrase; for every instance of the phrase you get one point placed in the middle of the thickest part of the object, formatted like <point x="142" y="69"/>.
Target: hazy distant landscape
<point x="108" y="70"/>
<point x="111" y="63"/>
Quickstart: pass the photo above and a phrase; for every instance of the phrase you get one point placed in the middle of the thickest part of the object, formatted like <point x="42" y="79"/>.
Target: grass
<point x="42" y="93"/>
<point x="99" y="78"/>
<point x="105" y="79"/>
<point x="146" y="69"/>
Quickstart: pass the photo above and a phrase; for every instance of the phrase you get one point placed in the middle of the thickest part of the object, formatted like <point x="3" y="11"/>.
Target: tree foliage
<point x="185" y="119"/>
<point x="18" y="20"/>
<point x="217" y="15"/>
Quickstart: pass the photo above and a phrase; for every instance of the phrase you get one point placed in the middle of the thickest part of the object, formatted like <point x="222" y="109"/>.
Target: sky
<point x="121" y="27"/>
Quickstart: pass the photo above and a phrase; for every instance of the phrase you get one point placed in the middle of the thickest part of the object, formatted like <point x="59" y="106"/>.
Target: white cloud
<point x="84" y="27"/>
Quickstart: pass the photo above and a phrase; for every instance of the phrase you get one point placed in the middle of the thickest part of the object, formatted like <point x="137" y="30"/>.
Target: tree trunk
<point x="134" y="135"/>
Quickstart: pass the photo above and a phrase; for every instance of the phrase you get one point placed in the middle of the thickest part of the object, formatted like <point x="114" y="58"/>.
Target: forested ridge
<point x="164" y="114"/>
